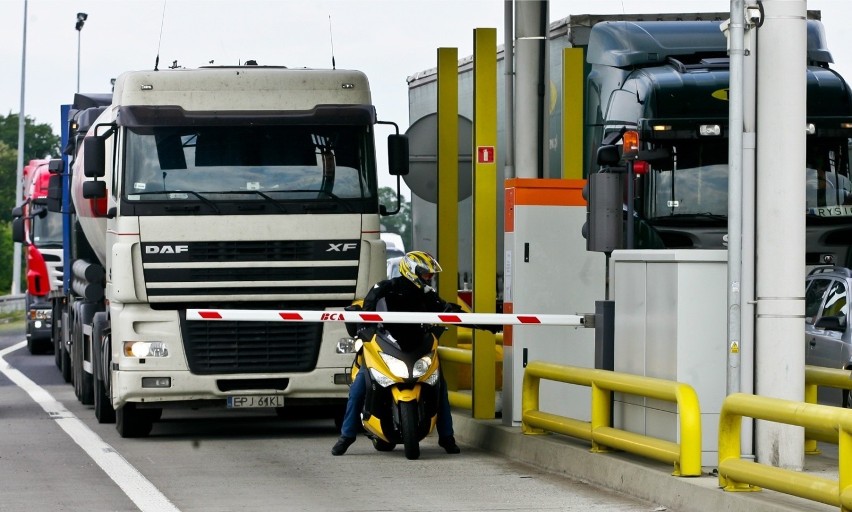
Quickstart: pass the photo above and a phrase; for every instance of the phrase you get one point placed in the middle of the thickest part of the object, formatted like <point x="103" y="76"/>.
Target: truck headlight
<point x="143" y="349"/>
<point x="346" y="346"/>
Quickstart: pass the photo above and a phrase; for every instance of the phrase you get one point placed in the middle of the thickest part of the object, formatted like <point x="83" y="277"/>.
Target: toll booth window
<point x="287" y="162"/>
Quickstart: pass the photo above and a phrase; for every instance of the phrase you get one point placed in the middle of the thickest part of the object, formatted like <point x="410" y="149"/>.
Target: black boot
<point x="449" y="444"/>
<point x="342" y="445"/>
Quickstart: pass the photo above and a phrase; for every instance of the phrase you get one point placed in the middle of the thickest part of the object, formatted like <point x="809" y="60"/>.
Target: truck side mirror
<point x="608" y="155"/>
<point x="18" y="230"/>
<point x="658" y="157"/>
<point x="55" y="166"/>
<point x="94" y="189"/>
<point x="398" y="155"/>
<point x="17" y="212"/>
<point x="54" y="193"/>
<point x="93" y="157"/>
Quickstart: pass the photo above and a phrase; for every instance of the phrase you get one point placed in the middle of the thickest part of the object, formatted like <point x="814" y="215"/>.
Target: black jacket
<point x="400" y="294"/>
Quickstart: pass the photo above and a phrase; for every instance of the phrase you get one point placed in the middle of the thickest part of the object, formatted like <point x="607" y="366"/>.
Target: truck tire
<point x="133" y="422"/>
<point x="408" y="425"/>
<point x="100" y="364"/>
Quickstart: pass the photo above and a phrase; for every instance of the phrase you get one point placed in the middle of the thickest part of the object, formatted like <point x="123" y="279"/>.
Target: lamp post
<point x="16" y="251"/>
<point x="81" y="20"/>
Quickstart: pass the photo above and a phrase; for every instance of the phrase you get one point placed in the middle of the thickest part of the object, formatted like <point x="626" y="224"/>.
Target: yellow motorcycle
<point x="403" y="384"/>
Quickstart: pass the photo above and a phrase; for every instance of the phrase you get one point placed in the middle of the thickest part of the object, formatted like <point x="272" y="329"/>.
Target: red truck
<point x="41" y="232"/>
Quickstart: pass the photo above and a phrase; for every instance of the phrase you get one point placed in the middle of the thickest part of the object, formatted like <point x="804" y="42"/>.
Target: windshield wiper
<point x="334" y="197"/>
<point x="689" y="216"/>
<point x="203" y="199"/>
<point x="256" y="192"/>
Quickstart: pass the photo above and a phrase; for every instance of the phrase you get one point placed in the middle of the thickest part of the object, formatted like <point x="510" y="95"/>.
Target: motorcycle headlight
<point x="397" y="367"/>
<point x="380" y="378"/>
<point x="433" y="379"/>
<point x="421" y="366"/>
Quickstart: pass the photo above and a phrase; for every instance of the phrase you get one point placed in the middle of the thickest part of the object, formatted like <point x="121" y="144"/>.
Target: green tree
<point x="39" y="142"/>
<point x="401" y="222"/>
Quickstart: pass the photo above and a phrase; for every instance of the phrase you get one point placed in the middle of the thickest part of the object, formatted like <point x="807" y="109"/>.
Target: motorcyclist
<point x="411" y="291"/>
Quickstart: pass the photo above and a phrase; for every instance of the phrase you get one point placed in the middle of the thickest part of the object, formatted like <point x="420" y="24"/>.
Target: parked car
<point x="828" y="338"/>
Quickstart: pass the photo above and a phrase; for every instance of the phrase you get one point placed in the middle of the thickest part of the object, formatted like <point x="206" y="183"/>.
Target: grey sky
<point x="387" y="39"/>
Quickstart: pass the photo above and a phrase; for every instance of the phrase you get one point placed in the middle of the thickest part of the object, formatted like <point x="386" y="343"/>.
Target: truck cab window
<point x="229" y="162"/>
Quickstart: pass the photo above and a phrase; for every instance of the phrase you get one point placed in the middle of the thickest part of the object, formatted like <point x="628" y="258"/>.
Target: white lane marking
<point x="138" y="488"/>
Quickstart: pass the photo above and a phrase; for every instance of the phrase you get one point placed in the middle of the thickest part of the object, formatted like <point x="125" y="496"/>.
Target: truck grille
<point x="251" y="270"/>
<point x="223" y="347"/>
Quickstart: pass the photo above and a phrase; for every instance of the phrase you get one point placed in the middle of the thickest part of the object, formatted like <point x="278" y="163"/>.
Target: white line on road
<point x="138" y="488"/>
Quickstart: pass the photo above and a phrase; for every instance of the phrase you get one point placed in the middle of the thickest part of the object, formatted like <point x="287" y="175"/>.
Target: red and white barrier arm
<point x="252" y="315"/>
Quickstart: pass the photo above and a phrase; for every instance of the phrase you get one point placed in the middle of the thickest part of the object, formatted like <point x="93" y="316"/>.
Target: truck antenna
<point x="331" y="36"/>
<point x="160" y="42"/>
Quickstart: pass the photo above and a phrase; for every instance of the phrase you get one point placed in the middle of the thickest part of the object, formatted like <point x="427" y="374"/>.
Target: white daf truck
<point x="247" y="187"/>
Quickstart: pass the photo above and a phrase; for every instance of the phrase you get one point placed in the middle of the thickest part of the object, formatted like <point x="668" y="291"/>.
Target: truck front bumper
<point x="176" y="388"/>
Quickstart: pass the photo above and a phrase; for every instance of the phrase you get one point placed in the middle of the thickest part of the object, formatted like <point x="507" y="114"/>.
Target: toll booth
<point x="547" y="270"/>
<point x="671" y="323"/>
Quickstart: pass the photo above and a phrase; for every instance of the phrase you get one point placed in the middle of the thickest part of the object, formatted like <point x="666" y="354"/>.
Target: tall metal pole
<point x="78" y="59"/>
<point x="780" y="357"/>
<point x="735" y="193"/>
<point x="81" y="20"/>
<point x="16" y="253"/>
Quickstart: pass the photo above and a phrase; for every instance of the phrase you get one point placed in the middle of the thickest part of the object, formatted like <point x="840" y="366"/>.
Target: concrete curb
<point x="622" y="472"/>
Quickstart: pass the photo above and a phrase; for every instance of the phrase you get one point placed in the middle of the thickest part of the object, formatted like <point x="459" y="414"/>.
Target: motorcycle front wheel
<point x="408" y="425"/>
<point x="382" y="445"/>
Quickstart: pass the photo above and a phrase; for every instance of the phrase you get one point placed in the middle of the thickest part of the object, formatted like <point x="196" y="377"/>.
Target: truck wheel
<point x="408" y="425"/>
<point x="100" y="361"/>
<point x="133" y="422"/>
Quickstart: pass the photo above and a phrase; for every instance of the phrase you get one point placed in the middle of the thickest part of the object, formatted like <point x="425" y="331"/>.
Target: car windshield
<point x="249" y="163"/>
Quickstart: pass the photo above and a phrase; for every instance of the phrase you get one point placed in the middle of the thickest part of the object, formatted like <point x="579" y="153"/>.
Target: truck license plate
<point x="238" y="402"/>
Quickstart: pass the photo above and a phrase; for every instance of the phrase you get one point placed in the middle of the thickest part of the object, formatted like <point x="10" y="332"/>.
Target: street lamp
<point x="81" y="20"/>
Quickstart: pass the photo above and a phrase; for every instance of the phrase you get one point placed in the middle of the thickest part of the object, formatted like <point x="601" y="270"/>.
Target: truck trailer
<point x="250" y="187"/>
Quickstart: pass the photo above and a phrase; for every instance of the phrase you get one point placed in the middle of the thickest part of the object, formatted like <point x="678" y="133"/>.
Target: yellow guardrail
<point x="816" y="377"/>
<point x="457" y="355"/>
<point x="736" y="474"/>
<point x="686" y="456"/>
<point x="463" y="356"/>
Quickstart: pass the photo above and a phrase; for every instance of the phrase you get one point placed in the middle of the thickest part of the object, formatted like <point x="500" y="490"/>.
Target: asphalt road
<point x="55" y="456"/>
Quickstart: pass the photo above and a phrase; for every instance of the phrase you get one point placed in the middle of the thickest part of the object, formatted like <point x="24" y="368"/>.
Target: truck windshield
<point x="695" y="182"/>
<point x="249" y="163"/>
<point x="47" y="230"/>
